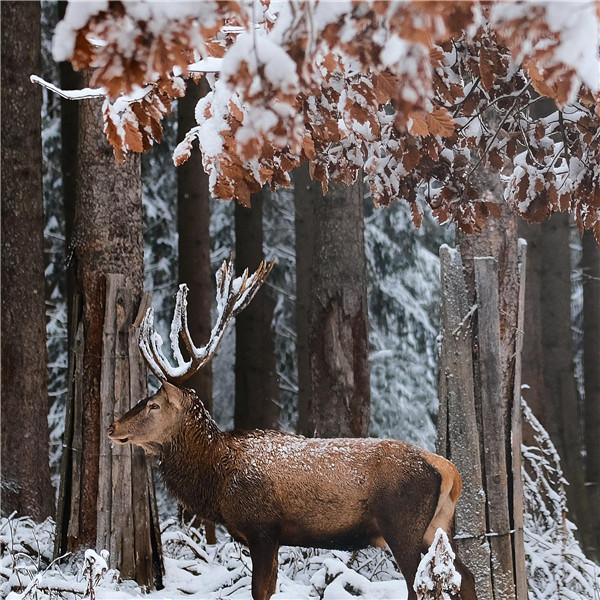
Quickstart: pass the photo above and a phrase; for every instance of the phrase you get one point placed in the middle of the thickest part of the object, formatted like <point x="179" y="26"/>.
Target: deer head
<point x="155" y="420"/>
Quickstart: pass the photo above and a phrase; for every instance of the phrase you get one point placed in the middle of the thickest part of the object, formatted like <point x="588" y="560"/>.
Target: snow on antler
<point x="233" y="295"/>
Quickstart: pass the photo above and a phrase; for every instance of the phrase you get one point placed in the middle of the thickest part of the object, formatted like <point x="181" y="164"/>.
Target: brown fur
<point x="271" y="489"/>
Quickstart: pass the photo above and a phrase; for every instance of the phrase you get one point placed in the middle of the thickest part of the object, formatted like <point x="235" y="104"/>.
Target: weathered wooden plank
<point x="492" y="411"/>
<point x="66" y="463"/>
<point x="104" y="500"/>
<point x="141" y="491"/>
<point x="463" y="436"/>
<point x="517" y="436"/>
<point x="157" y="556"/>
<point x="441" y="443"/>
<point x="77" y="439"/>
<point x="122" y="514"/>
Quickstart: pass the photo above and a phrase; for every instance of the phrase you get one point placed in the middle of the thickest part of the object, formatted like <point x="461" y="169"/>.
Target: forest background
<point x="403" y="291"/>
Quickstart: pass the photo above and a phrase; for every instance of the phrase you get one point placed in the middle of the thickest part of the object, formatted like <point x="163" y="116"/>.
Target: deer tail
<point x="450" y="489"/>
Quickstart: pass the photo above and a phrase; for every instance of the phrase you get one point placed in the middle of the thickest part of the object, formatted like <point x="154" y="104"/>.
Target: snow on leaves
<point x="422" y="99"/>
<point x="133" y="123"/>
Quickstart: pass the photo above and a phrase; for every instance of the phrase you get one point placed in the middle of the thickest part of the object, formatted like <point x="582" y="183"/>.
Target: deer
<point x="270" y="488"/>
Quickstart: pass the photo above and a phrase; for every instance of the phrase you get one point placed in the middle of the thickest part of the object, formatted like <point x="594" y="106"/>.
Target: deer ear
<point x="174" y="394"/>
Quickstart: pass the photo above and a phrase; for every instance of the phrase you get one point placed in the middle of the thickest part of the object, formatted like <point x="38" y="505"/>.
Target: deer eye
<point x="153" y="406"/>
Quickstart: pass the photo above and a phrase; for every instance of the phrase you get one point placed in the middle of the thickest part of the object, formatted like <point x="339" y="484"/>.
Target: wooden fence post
<point x="126" y="509"/>
<point x="517" y="436"/>
<point x="459" y="428"/>
<point x="490" y="542"/>
<point x="493" y="411"/>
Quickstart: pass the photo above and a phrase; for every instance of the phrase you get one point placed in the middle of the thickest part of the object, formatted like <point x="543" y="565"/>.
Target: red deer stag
<point x="271" y="489"/>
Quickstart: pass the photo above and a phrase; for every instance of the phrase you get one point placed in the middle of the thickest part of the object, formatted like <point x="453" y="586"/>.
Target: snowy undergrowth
<point x="193" y="569"/>
<point x="557" y="568"/>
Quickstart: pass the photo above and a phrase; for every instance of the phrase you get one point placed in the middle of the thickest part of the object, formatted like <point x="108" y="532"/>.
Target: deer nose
<point x="110" y="430"/>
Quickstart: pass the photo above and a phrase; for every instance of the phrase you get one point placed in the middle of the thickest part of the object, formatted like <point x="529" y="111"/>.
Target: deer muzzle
<point x="115" y="435"/>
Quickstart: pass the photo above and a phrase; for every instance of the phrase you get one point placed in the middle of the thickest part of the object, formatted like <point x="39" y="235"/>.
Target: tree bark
<point x="108" y="244"/>
<point x="560" y="389"/>
<point x="458" y="422"/>
<point x="193" y="222"/>
<point x="591" y="373"/>
<point x="331" y="310"/>
<point x="494" y="352"/>
<point x="26" y="485"/>
<point x="108" y="239"/>
<point x="493" y="413"/>
<point x="533" y="351"/>
<point x="69" y="127"/>
<point x="256" y="389"/>
<point x="533" y="347"/>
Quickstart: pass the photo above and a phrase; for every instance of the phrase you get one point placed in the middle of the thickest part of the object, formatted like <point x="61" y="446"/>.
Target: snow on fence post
<point x="458" y="427"/>
<point x="517" y="436"/>
<point x="493" y="410"/>
<point x="126" y="516"/>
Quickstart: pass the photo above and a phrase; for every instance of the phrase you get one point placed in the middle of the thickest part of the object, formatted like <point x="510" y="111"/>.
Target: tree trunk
<point x="560" y="390"/>
<point x="591" y="373"/>
<point x="26" y="485"/>
<point x="108" y="234"/>
<point x="331" y="310"/>
<point x="108" y="240"/>
<point x="533" y="346"/>
<point x="193" y="221"/>
<point x="256" y="389"/>
<point x="69" y="127"/>
<point x="533" y="350"/>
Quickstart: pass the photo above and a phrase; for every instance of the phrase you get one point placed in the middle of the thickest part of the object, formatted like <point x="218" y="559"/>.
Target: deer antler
<point x="233" y="295"/>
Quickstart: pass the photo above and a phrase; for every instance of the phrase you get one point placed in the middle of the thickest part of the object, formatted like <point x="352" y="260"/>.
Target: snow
<point x="436" y="572"/>
<point x="82" y="94"/>
<point x="578" y="27"/>
<point x="579" y="34"/>
<point x="394" y="51"/>
<point x="210" y="64"/>
<point x="258" y="50"/>
<point x="193" y="569"/>
<point x="76" y="16"/>
<point x="556" y="564"/>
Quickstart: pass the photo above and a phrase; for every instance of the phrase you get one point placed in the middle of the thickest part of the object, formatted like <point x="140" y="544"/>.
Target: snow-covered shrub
<point x="437" y="578"/>
<point x="192" y="568"/>
<point x="557" y="568"/>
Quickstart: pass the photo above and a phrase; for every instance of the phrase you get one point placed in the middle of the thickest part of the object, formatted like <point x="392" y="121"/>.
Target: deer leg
<point x="407" y="558"/>
<point x="263" y="552"/>
<point x="467" y="582"/>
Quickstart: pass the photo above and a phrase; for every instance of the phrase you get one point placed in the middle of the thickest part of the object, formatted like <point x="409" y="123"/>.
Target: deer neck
<point x="190" y="462"/>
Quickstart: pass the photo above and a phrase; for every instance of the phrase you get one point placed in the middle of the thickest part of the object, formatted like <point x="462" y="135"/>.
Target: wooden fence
<point x="127" y="517"/>
<point x="481" y="432"/>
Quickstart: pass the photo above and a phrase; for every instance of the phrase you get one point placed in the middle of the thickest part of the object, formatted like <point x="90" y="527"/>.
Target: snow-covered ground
<point x="193" y="569"/>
